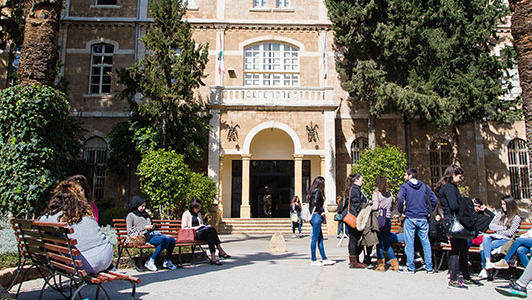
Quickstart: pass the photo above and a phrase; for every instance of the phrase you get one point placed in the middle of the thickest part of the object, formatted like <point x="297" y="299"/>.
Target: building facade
<point x="279" y="115"/>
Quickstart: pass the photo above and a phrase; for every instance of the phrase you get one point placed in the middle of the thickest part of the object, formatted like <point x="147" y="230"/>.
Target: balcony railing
<point x="278" y="96"/>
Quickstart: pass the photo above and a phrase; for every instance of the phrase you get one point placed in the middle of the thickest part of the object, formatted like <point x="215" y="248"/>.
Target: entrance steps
<point x="262" y="226"/>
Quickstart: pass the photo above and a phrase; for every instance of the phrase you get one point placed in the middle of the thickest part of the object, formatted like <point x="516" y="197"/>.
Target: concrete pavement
<point x="254" y="273"/>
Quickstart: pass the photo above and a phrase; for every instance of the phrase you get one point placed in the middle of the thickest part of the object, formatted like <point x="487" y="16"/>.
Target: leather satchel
<point x="349" y="218"/>
<point x="186" y="235"/>
<point x="456" y="230"/>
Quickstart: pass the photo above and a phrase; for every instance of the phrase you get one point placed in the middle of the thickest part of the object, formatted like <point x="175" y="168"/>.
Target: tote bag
<point x="186" y="235"/>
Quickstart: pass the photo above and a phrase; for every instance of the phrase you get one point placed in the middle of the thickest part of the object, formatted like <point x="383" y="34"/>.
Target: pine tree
<point x="428" y="59"/>
<point x="168" y="115"/>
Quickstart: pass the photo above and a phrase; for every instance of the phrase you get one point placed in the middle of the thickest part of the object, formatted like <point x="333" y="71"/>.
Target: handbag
<point x="338" y="217"/>
<point x="456" y="230"/>
<point x="135" y="238"/>
<point x="381" y="214"/>
<point x="186" y="235"/>
<point x="294" y="218"/>
<point x="349" y="218"/>
<point x="305" y="212"/>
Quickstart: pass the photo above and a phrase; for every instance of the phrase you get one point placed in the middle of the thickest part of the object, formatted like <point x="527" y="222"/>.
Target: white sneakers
<point x="483" y="274"/>
<point x="167" y="264"/>
<point x="322" y="263"/>
<point x="150" y="265"/>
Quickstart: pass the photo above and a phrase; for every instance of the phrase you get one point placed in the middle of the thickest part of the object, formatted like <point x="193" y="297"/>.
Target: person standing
<point x="413" y="204"/>
<point x="454" y="205"/>
<point x="315" y="199"/>
<point x="295" y="209"/>
<point x="383" y="199"/>
<point x="355" y="198"/>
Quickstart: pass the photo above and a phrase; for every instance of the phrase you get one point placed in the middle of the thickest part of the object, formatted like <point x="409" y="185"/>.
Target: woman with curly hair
<point x="82" y="185"/>
<point x="69" y="206"/>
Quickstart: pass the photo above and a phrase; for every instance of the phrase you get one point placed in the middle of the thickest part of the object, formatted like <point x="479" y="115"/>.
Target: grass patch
<point x="8" y="260"/>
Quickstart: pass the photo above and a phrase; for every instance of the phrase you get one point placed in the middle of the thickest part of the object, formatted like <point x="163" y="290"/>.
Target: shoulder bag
<point x="294" y="218"/>
<point x="381" y="212"/>
<point x="350" y="219"/>
<point x="305" y="212"/>
<point x="456" y="230"/>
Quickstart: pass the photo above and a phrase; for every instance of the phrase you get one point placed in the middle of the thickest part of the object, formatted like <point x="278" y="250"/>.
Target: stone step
<point x="261" y="226"/>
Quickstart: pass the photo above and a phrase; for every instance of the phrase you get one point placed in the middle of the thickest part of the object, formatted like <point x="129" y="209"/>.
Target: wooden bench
<point x="166" y="227"/>
<point x="50" y="250"/>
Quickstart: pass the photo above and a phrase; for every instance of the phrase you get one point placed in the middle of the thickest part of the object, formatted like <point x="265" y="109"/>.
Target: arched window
<point x="440" y="159"/>
<point x="95" y="151"/>
<point x="271" y="64"/>
<point x="357" y="147"/>
<point x="101" y="68"/>
<point x="518" y="166"/>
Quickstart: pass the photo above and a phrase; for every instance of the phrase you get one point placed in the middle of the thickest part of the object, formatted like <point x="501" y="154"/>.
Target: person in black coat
<point x="354" y="200"/>
<point x="483" y="216"/>
<point x="453" y="204"/>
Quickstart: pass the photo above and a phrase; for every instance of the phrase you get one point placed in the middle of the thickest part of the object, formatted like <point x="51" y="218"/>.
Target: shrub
<point x="200" y="187"/>
<point x="388" y="161"/>
<point x="37" y="144"/>
<point x="7" y="236"/>
<point x="107" y="216"/>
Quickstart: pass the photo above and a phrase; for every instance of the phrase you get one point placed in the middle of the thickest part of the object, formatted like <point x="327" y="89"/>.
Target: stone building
<point x="280" y="116"/>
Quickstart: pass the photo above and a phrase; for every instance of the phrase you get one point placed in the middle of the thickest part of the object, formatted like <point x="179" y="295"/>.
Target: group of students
<point x="417" y="204"/>
<point x="72" y="203"/>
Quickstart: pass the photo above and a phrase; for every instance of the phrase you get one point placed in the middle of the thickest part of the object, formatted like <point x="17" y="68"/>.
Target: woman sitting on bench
<point x="192" y="219"/>
<point x="138" y="218"/>
<point x="67" y="205"/>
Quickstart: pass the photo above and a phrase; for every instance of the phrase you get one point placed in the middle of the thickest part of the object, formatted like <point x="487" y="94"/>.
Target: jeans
<point x="489" y="244"/>
<point x="384" y="241"/>
<point x="522" y="246"/>
<point x="317" y="237"/>
<point x="162" y="242"/>
<point x="341" y="228"/>
<point x="298" y="225"/>
<point x="421" y="226"/>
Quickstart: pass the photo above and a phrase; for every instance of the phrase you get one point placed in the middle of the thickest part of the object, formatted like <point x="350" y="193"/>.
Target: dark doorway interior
<point x="271" y="188"/>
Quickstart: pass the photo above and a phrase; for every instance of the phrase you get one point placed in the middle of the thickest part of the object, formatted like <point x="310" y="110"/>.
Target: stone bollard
<point x="277" y="243"/>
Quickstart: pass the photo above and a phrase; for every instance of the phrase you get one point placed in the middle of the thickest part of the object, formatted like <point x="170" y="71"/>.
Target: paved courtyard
<point x="254" y="273"/>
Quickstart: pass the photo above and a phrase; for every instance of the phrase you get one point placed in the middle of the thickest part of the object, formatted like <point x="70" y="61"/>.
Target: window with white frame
<point x="357" y="148"/>
<point x="95" y="152"/>
<point x="260" y="3"/>
<point x="101" y="68"/>
<point x="518" y="167"/>
<point x="271" y="64"/>
<point x="440" y="159"/>
<point x="283" y="3"/>
<point x="106" y="2"/>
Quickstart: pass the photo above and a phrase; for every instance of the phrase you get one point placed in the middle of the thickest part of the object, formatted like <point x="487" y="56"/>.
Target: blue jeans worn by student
<point x="162" y="242"/>
<point x="522" y="246"/>
<point x="317" y="237"/>
<point x="341" y="228"/>
<point x="488" y="244"/>
<point x="297" y="225"/>
<point x="421" y="226"/>
<point x="384" y="241"/>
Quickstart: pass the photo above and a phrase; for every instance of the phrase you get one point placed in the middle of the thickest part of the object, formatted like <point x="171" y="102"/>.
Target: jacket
<point x="316" y="201"/>
<point x="412" y="199"/>
<point x="354" y="192"/>
<point x="483" y="220"/>
<point x="186" y="220"/>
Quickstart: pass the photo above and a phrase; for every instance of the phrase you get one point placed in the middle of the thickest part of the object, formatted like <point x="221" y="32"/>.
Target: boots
<point x="381" y="267"/>
<point x="394" y="265"/>
<point x="355" y="264"/>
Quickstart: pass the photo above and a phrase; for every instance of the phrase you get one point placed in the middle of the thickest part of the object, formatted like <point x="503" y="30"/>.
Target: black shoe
<point x="215" y="262"/>
<point x="224" y="256"/>
<point x="472" y="282"/>
<point x="512" y="290"/>
<point x="490" y="275"/>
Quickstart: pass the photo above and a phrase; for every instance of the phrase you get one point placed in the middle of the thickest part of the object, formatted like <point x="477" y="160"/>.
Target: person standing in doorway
<point x="295" y="211"/>
<point x="412" y="202"/>
<point x="315" y="199"/>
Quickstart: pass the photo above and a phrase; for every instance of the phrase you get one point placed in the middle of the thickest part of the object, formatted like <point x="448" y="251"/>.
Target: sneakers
<point x="489" y="265"/>
<point x="472" y="282"/>
<point x="483" y="274"/>
<point x="501" y="264"/>
<point x="456" y="284"/>
<point x="150" y="265"/>
<point x="407" y="271"/>
<point x="338" y="236"/>
<point x="293" y="235"/>
<point x="328" y="262"/>
<point x="316" y="263"/>
<point x="430" y="271"/>
<point x="167" y="264"/>
<point x="512" y="290"/>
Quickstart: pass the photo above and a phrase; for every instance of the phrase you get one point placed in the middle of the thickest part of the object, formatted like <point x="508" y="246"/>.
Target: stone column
<point x="220" y="186"/>
<point x="245" y="208"/>
<point x="213" y="169"/>
<point x="329" y="166"/>
<point x="322" y="166"/>
<point x="298" y="175"/>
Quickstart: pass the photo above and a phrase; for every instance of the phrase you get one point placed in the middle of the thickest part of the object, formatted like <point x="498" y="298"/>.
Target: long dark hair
<point x="66" y="199"/>
<point x="448" y="176"/>
<point x="511" y="210"/>
<point x="318" y="183"/>
<point x="350" y="180"/>
<point x="381" y="184"/>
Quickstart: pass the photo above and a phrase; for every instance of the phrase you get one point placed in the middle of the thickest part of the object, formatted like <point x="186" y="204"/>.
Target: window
<point x="271" y="64"/>
<point x="259" y="3"/>
<point x="101" y="68"/>
<point x="357" y="147"/>
<point x="106" y="2"/>
<point x="95" y="152"/>
<point x="283" y="3"/>
<point x="518" y="166"/>
<point x="440" y="159"/>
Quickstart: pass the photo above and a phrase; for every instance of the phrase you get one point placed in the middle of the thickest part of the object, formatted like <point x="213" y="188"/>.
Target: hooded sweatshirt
<point x="412" y="199"/>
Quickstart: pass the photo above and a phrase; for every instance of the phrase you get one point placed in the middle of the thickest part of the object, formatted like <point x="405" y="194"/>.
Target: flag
<point x="221" y="67"/>
<point x="325" y="58"/>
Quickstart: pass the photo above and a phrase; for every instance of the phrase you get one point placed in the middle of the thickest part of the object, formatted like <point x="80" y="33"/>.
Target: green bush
<point x="388" y="161"/>
<point x="7" y="236"/>
<point x="38" y="141"/>
<point x="107" y="216"/>
<point x="170" y="185"/>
